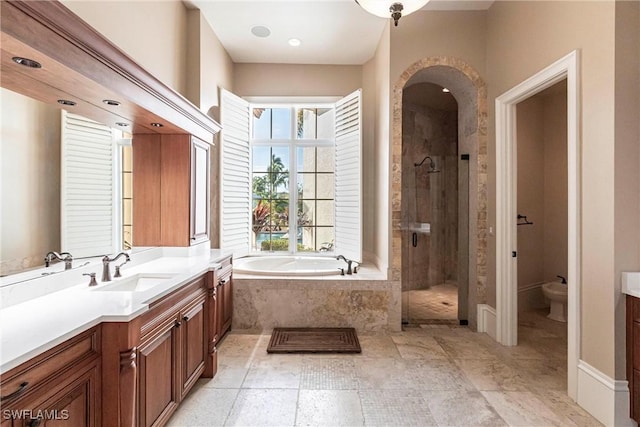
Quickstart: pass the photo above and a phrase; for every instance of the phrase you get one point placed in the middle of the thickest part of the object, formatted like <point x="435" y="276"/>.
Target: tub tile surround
<point x="60" y="306"/>
<point x="365" y="301"/>
<point x="385" y="385"/>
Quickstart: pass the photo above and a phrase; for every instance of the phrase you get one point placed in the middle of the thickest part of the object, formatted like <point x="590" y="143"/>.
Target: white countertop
<point x="631" y="283"/>
<point x="39" y="323"/>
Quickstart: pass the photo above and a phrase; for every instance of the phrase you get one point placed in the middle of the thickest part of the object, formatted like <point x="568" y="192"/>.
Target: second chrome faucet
<point x="106" y="272"/>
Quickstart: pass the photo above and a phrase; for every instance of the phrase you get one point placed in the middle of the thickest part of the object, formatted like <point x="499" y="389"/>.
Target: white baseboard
<point x="487" y="320"/>
<point x="603" y="397"/>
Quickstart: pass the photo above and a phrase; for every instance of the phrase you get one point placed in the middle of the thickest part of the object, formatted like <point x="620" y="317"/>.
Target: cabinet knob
<point x="222" y="282"/>
<point x="185" y="318"/>
<point x="18" y="392"/>
<point x="177" y="324"/>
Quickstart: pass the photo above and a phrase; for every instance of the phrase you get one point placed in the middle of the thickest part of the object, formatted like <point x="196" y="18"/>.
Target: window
<point x="291" y="177"/>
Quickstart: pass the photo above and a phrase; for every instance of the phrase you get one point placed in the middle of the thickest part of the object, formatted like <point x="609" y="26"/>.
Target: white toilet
<point x="556" y="292"/>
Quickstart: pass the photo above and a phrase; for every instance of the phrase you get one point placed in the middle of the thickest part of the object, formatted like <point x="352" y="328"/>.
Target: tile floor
<point x="439" y="302"/>
<point x="435" y="375"/>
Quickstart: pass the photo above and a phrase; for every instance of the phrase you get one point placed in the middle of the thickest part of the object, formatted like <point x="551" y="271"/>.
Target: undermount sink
<point x="138" y="283"/>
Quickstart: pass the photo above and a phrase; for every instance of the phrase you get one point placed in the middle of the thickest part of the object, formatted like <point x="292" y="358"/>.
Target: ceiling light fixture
<point x="445" y="90"/>
<point x="391" y="8"/>
<point x="66" y="102"/>
<point x="156" y="125"/>
<point x="111" y="102"/>
<point x="26" y="62"/>
<point x="260" y="31"/>
<point x="294" y="42"/>
<point x="122" y="124"/>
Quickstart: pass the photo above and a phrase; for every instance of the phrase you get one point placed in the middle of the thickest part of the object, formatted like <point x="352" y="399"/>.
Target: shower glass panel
<point x="430" y="239"/>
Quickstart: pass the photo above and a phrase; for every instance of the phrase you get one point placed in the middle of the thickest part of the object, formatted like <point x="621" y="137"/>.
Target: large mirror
<point x="40" y="187"/>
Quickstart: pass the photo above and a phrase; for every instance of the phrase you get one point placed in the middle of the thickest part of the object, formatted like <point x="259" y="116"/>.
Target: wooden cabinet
<point x="172" y="352"/>
<point x="194" y="348"/>
<point x="224" y="299"/>
<point x="61" y="387"/>
<point x="633" y="355"/>
<point x="157" y="360"/>
<point x="120" y="373"/>
<point x="170" y="190"/>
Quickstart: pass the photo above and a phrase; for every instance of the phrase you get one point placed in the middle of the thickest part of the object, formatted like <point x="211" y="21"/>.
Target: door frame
<point x="567" y="68"/>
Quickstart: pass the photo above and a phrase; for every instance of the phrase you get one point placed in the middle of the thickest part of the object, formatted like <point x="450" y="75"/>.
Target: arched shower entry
<point x="451" y="182"/>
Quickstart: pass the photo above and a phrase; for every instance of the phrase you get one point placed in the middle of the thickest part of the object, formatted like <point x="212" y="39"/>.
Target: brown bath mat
<point x="314" y="340"/>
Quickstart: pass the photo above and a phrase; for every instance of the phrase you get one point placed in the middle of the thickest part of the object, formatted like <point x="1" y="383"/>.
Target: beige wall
<point x="555" y="185"/>
<point x="369" y="198"/>
<point x="627" y="159"/>
<point x="209" y="65"/>
<point x="542" y="187"/>
<point x="424" y="34"/>
<point x="523" y="38"/>
<point x="296" y="80"/>
<point x="531" y="201"/>
<point x="30" y="182"/>
<point x="153" y="33"/>
<point x="382" y="141"/>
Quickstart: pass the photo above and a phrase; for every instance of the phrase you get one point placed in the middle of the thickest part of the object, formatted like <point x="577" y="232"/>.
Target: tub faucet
<point x="349" y="263"/>
<point x="106" y="273"/>
<point x="62" y="256"/>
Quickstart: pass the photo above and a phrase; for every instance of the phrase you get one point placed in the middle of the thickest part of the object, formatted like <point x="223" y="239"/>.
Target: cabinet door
<point x="228" y="304"/>
<point x="157" y="376"/>
<point x="199" y="191"/>
<point x="219" y="310"/>
<point x="75" y="405"/>
<point x="194" y="345"/>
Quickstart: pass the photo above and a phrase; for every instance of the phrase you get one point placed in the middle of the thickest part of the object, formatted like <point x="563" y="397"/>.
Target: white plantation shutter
<point x="348" y="177"/>
<point x="87" y="205"/>
<point x="235" y="174"/>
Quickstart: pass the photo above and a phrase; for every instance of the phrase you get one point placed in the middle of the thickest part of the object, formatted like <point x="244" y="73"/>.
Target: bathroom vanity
<point x="631" y="287"/>
<point x="127" y="352"/>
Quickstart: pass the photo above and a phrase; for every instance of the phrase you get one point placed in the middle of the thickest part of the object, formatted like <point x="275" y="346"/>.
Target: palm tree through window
<point x="292" y="179"/>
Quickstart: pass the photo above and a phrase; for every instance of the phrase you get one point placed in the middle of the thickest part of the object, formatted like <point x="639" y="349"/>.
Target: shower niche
<point x="433" y="191"/>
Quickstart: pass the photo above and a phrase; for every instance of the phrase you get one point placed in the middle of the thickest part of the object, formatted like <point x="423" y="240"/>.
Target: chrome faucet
<point x="349" y="263"/>
<point x="62" y="256"/>
<point x="106" y="273"/>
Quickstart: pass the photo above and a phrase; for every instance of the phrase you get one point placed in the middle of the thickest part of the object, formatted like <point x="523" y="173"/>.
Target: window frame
<point x="292" y="143"/>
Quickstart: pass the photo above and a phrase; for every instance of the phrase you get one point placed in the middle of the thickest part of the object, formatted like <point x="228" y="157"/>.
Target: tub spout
<point x="348" y="261"/>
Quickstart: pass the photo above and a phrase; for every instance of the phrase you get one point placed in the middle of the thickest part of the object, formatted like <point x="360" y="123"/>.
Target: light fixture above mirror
<point x="392" y="8"/>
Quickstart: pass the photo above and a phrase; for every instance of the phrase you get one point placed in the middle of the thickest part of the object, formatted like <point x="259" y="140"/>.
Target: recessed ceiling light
<point x="260" y="31"/>
<point x="66" y="102"/>
<point x="122" y="124"/>
<point x="26" y="62"/>
<point x="294" y="42"/>
<point x="156" y="125"/>
<point x="445" y="90"/>
<point x="110" y="102"/>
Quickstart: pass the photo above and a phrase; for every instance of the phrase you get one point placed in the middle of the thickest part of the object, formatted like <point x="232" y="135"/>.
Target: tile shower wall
<point x="429" y="197"/>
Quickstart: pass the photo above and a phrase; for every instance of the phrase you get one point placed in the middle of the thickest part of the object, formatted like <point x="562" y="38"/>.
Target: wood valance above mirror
<point x="78" y="64"/>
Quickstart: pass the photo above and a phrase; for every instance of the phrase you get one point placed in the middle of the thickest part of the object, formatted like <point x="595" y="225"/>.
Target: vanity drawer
<point x="33" y="374"/>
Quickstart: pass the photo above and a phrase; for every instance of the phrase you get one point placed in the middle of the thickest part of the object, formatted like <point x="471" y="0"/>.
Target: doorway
<point x="507" y="215"/>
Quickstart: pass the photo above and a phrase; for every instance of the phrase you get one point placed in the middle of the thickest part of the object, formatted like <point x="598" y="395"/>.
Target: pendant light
<point x="394" y="9"/>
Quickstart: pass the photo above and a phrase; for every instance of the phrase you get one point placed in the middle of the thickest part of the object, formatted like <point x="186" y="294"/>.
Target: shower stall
<point x="434" y="191"/>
